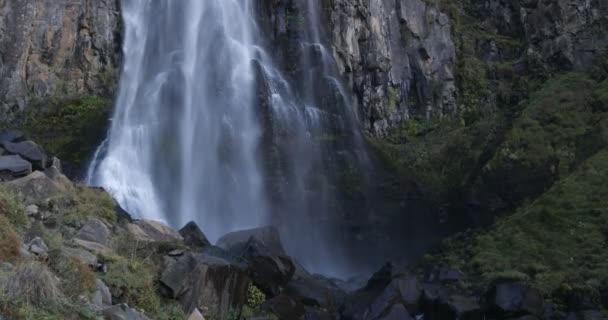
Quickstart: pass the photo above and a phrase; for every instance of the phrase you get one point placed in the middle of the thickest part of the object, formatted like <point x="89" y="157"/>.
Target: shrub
<point x="84" y="202"/>
<point x="77" y="277"/>
<point x="12" y="208"/>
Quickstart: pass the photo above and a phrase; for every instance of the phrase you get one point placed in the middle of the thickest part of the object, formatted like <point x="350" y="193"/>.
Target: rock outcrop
<point x="51" y="47"/>
<point x="398" y="58"/>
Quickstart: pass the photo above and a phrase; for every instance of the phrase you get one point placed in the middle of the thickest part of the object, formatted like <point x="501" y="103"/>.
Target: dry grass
<point x="33" y="284"/>
<point x="10" y="243"/>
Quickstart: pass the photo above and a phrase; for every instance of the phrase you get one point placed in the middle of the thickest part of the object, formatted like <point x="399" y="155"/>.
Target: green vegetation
<point x="83" y="202"/>
<point x="557" y="243"/>
<point x="69" y="128"/>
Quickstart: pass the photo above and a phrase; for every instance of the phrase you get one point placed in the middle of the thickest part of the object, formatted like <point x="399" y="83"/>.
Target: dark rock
<point x="514" y="299"/>
<point x="586" y="315"/>
<point x="387" y="287"/>
<point x="316" y="314"/>
<point x="268" y="236"/>
<point x="268" y="272"/>
<point x="285" y="307"/>
<point x="193" y="236"/>
<point x="396" y="312"/>
<point x="122" y="312"/>
<point x="30" y="151"/>
<point x="10" y="136"/>
<point x="438" y="303"/>
<point x="316" y="292"/>
<point x="199" y="279"/>
<point x="448" y="275"/>
<point x="15" y="165"/>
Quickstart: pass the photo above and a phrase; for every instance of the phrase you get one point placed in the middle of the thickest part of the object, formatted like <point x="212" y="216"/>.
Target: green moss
<point x="69" y="128"/>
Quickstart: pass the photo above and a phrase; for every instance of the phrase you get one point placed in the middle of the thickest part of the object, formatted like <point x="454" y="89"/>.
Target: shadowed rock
<point x="268" y="236"/>
<point x="193" y="236"/>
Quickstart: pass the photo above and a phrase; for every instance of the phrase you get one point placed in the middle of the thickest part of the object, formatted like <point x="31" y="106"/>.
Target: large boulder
<point x="193" y="236"/>
<point x="268" y="236"/>
<point x="153" y="231"/>
<point x="30" y="151"/>
<point x="94" y="230"/>
<point x="439" y="303"/>
<point x="316" y="291"/>
<point x="10" y="136"/>
<point x="14" y="166"/>
<point x="35" y="188"/>
<point x="515" y="299"/>
<point x="204" y="281"/>
<point x="269" y="272"/>
<point x="390" y="286"/>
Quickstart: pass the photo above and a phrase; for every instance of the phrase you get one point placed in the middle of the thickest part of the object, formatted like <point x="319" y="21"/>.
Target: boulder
<point x="285" y="307"/>
<point x="84" y="255"/>
<point x="316" y="291"/>
<point x="201" y="280"/>
<point x="35" y="188"/>
<point x="153" y="231"/>
<point x="102" y="296"/>
<point x="10" y="136"/>
<point x="30" y="151"/>
<point x="268" y="236"/>
<point x="269" y="272"/>
<point x="94" y="230"/>
<point x="438" y="302"/>
<point x="389" y="286"/>
<point x="396" y="312"/>
<point x="193" y="236"/>
<point x="15" y="166"/>
<point x="196" y="315"/>
<point x="122" y="312"/>
<point x="93" y="247"/>
<point x="515" y="299"/>
<point x="38" y="248"/>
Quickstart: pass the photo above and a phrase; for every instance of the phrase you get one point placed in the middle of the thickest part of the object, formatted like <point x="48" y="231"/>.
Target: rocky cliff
<point x="55" y="47"/>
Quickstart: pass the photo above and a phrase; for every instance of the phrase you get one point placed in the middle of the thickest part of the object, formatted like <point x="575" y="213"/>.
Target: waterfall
<point x="191" y="139"/>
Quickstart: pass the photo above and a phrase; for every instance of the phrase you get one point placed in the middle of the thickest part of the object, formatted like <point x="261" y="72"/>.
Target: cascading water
<point x="191" y="139"/>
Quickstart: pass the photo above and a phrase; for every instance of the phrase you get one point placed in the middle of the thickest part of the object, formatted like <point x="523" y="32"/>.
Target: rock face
<point x="52" y="46"/>
<point x="398" y="58"/>
<point x="199" y="280"/>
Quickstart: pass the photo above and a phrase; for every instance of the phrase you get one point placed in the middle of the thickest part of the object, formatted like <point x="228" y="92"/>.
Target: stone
<point x="10" y="136"/>
<point x="153" y="231"/>
<point x="514" y="298"/>
<point x="84" y="255"/>
<point x="38" y="248"/>
<point x="268" y="236"/>
<point x="15" y="165"/>
<point x="193" y="236"/>
<point x="196" y="315"/>
<point x="94" y="230"/>
<point x="35" y="188"/>
<point x="316" y="291"/>
<point x="102" y="296"/>
<point x="284" y="307"/>
<point x="93" y="247"/>
<point x="391" y="284"/>
<point x="30" y="151"/>
<point x="31" y="210"/>
<point x="268" y="272"/>
<point x="396" y="312"/>
<point x="202" y="280"/>
<point x="122" y="312"/>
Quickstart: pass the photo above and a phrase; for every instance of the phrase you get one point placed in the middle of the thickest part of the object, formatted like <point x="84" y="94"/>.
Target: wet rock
<point x="102" y="296"/>
<point x="514" y="299"/>
<point x="316" y="292"/>
<point x="269" y="272"/>
<point x="30" y="151"/>
<point x="153" y="231"/>
<point x="203" y="280"/>
<point x="122" y="312"/>
<point x="35" y="188"/>
<point x="94" y="230"/>
<point x="15" y="166"/>
<point x="268" y="236"/>
<point x="193" y="236"/>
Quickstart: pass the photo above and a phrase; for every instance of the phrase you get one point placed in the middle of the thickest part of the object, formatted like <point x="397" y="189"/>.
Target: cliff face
<point x="398" y="58"/>
<point x="52" y="47"/>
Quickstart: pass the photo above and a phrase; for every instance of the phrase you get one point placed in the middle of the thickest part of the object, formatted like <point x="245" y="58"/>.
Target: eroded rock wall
<point x="50" y="47"/>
